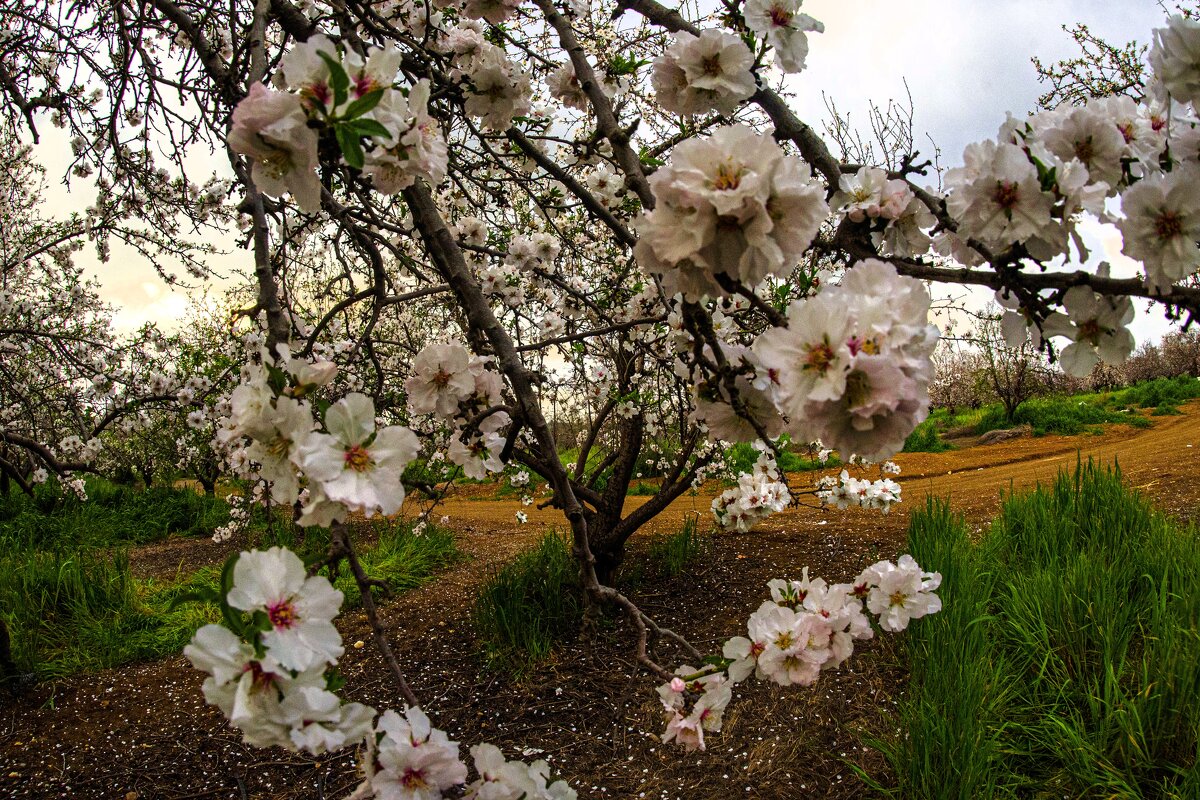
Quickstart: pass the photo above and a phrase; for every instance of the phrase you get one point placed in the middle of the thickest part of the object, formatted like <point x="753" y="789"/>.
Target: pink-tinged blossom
<point x="731" y="204"/>
<point x="1085" y="134"/>
<point x="784" y="27"/>
<point x="1098" y="328"/>
<point x="356" y="465"/>
<point x="1175" y="58"/>
<point x="997" y="197"/>
<point x="500" y="779"/>
<point x="1161" y="225"/>
<point x="299" y="608"/>
<point x="498" y="89"/>
<point x="416" y="148"/>
<point x="271" y="129"/>
<point x="494" y="11"/>
<point x="415" y="761"/>
<point x="441" y="379"/>
<point x="853" y="365"/>
<point x="709" y="72"/>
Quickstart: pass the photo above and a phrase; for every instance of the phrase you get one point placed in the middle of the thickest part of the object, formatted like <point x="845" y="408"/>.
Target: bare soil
<point x="144" y="731"/>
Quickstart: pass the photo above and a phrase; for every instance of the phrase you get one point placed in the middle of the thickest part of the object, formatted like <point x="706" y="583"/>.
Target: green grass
<point x="1073" y="414"/>
<point x="1158" y="392"/>
<point x="527" y="605"/>
<point x="402" y="559"/>
<point x="1064" y="662"/>
<point x="671" y="554"/>
<point x="925" y="438"/>
<point x="1070" y="415"/>
<point x="111" y="516"/>
<point x="71" y="611"/>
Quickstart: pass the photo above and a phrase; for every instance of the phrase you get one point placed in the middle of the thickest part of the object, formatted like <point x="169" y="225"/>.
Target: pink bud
<point x="677" y="685"/>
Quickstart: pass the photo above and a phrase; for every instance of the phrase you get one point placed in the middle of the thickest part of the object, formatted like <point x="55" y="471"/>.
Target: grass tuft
<point x="673" y="553"/>
<point x="527" y="605"/>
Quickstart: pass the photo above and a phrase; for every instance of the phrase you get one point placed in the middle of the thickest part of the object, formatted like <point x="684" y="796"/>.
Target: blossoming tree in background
<point x="459" y="215"/>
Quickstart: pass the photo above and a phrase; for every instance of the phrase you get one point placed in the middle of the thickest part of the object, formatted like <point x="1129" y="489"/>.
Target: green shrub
<point x="527" y="605"/>
<point x="1064" y="660"/>
<point x="991" y="418"/>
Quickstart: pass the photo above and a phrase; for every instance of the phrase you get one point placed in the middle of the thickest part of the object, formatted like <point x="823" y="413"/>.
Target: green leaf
<point x="369" y="127"/>
<point x="334" y="680"/>
<point x="339" y="81"/>
<point x="204" y="595"/>
<point x="277" y="379"/>
<point x="352" y="150"/>
<point x="622" y="64"/>
<point x="363" y="104"/>
<point x="227" y="574"/>
<point x="233" y="620"/>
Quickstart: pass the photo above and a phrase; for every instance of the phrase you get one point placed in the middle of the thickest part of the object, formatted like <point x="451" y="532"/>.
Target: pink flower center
<point x="316" y="94"/>
<point x="363" y="84"/>
<point x="1168" y="225"/>
<point x="413" y="779"/>
<point x="1090" y="331"/>
<point x="1007" y="195"/>
<point x="1085" y="151"/>
<point x="259" y="678"/>
<point x="442" y="379"/>
<point x="282" y="614"/>
<point x="358" y="458"/>
<point x="780" y="17"/>
<point x="712" y="65"/>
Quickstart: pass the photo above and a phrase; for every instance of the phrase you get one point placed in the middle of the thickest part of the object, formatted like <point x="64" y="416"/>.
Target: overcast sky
<point x="966" y="63"/>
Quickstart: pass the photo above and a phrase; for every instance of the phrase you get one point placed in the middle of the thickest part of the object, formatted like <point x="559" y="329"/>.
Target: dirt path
<point x="1163" y="461"/>
<point x="144" y="732"/>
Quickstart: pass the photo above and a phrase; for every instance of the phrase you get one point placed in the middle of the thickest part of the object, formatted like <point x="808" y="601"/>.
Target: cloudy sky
<point x="966" y="63"/>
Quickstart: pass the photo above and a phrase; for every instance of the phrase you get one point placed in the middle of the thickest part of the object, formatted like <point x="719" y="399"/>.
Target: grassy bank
<point x="1064" y="663"/>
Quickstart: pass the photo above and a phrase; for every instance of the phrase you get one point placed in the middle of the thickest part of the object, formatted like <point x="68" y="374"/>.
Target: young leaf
<point x="363" y="104"/>
<point x="352" y="150"/>
<point x="369" y="127"/>
<point x="339" y="81"/>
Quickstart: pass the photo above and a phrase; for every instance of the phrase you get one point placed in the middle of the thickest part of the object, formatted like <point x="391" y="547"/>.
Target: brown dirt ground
<point x="144" y="731"/>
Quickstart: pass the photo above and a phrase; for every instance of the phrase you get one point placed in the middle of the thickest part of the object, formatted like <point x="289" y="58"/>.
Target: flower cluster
<point x="709" y="72"/>
<point x="319" y="90"/>
<point x="852" y="367"/>
<point x="271" y="673"/>
<point x="459" y="388"/>
<point x="731" y="205"/>
<point x="758" y="494"/>
<point x="807" y="626"/>
<point x="784" y="27"/>
<point x="275" y="687"/>
<point x="350" y="466"/>
<point x="844" y="491"/>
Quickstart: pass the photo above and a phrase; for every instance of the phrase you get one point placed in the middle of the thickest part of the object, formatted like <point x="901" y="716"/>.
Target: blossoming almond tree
<point x="459" y="214"/>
